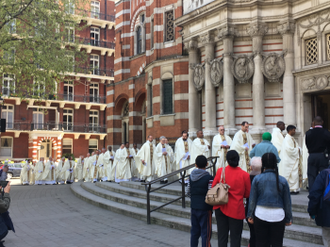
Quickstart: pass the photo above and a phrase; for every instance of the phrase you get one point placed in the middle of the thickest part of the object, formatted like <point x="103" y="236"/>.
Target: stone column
<point x="228" y="81"/>
<point x="194" y="108"/>
<point x="257" y="31"/>
<point x="210" y="92"/>
<point x="287" y="28"/>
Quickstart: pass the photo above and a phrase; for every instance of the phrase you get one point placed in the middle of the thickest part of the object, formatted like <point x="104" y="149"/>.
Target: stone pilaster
<point x="210" y="92"/>
<point x="227" y="36"/>
<point x="286" y="29"/>
<point x="194" y="108"/>
<point x="257" y="31"/>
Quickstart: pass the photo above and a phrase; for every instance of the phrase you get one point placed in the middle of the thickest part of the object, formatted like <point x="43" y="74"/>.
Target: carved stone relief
<point x="243" y="68"/>
<point x="199" y="76"/>
<point x="216" y="72"/>
<point x="273" y="67"/>
<point x="315" y="83"/>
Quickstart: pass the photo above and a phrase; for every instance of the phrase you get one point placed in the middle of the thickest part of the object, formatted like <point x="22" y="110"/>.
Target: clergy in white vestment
<point x="220" y="145"/>
<point x="25" y="173"/>
<point x="59" y="173"/>
<point x="243" y="144"/>
<point x="86" y="168"/>
<point x="68" y="170"/>
<point x="134" y="170"/>
<point x="49" y="174"/>
<point x="93" y="168"/>
<point x="123" y="166"/>
<point x="100" y="166"/>
<point x="291" y="162"/>
<point x="145" y="160"/>
<point x="182" y="152"/>
<point x="39" y="169"/>
<point x="200" y="146"/>
<point x="162" y="159"/>
<point x="170" y="153"/>
<point x="78" y="173"/>
<point x="108" y="159"/>
<point x="277" y="136"/>
<point x="32" y="173"/>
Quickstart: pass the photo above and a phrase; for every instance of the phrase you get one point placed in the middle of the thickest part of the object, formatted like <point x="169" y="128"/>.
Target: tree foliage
<point x="38" y="46"/>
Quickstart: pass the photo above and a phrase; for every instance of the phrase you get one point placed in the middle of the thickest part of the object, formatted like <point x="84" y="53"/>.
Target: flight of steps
<point x="129" y="198"/>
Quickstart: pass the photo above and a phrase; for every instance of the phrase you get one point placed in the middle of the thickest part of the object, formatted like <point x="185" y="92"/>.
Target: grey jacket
<point x="4" y="203"/>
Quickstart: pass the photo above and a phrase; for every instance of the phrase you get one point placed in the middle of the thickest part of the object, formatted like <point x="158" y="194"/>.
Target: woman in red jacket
<point x="231" y="215"/>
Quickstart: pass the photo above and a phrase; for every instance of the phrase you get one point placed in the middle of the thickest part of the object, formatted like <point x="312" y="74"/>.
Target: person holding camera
<point x="5" y="221"/>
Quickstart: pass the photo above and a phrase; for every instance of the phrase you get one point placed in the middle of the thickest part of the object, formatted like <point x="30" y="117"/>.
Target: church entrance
<point x="45" y="149"/>
<point x="321" y="107"/>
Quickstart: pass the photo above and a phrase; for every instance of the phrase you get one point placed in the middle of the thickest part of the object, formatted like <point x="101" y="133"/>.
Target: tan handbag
<point x="218" y="195"/>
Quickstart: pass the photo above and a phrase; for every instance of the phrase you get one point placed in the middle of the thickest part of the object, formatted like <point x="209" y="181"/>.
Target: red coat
<point x="240" y="186"/>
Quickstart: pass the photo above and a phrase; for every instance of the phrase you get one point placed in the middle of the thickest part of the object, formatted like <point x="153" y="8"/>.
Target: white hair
<point x="256" y="164"/>
<point x="162" y="137"/>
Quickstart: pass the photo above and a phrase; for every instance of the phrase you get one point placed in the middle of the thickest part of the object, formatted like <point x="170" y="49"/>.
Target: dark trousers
<point x="316" y="162"/>
<point x="269" y="233"/>
<point x="225" y="225"/>
<point x="201" y="226"/>
<point x="252" y="240"/>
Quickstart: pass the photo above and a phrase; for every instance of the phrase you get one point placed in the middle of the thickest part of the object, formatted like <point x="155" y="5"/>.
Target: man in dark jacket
<point x="4" y="205"/>
<point x="201" y="213"/>
<point x="319" y="204"/>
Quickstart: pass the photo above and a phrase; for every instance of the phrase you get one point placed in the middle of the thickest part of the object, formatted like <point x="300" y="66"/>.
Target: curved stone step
<point x="296" y="232"/>
<point x="160" y="218"/>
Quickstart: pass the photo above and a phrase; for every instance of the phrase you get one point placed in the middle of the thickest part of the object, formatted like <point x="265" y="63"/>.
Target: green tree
<point x="38" y="47"/>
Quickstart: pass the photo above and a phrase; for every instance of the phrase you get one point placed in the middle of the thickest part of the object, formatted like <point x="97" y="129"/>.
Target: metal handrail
<point x="182" y="172"/>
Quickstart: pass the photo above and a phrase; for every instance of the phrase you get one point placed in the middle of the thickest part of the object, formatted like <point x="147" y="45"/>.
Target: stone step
<point x="299" y="202"/>
<point x="166" y="220"/>
<point x="298" y="217"/>
<point x="296" y="232"/>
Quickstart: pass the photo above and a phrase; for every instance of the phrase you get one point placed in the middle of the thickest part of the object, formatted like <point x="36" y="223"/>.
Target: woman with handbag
<point x="269" y="204"/>
<point x="230" y="216"/>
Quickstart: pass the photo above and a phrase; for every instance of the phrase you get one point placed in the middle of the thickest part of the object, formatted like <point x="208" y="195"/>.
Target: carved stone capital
<point x="192" y="44"/>
<point x="206" y="38"/>
<point x="286" y="27"/>
<point x="226" y="32"/>
<point x="257" y="29"/>
<point x="273" y="67"/>
<point x="243" y="68"/>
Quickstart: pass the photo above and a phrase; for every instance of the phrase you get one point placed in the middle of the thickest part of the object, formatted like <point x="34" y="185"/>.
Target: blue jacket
<point x="317" y="206"/>
<point x="264" y="193"/>
<point x="264" y="147"/>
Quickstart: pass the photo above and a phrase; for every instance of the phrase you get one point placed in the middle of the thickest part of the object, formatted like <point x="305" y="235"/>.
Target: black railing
<point x="49" y="126"/>
<point x="99" y="43"/>
<point x="95" y="71"/>
<point x="182" y="172"/>
<point x="96" y="15"/>
<point x="78" y="98"/>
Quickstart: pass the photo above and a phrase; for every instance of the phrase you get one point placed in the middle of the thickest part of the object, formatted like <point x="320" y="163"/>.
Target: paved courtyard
<point x="50" y="215"/>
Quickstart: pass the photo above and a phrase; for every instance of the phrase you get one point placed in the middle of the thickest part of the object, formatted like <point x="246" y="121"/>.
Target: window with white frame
<point x="38" y="88"/>
<point x="11" y="24"/>
<point x="68" y="119"/>
<point x="169" y="26"/>
<point x="92" y="145"/>
<point x="6" y="147"/>
<point x="68" y="90"/>
<point x="95" y="9"/>
<point x="95" y="36"/>
<point x="139" y="40"/>
<point x="311" y="51"/>
<point x="38" y="118"/>
<point x="94" y="64"/>
<point x="8" y="85"/>
<point x="67" y="146"/>
<point x="9" y="56"/>
<point x="8" y="114"/>
<point x="94" y="93"/>
<point x="69" y="32"/>
<point x="93" y="121"/>
<point x="69" y="8"/>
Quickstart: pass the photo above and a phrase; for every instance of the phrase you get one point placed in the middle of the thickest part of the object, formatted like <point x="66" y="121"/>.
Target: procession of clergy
<point x="150" y="161"/>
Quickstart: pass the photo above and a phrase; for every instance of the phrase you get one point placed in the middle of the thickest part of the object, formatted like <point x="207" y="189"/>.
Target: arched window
<point x="139" y="40"/>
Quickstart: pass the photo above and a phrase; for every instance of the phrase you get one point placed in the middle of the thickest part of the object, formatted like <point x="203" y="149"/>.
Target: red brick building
<point x="150" y="92"/>
<point x="73" y="120"/>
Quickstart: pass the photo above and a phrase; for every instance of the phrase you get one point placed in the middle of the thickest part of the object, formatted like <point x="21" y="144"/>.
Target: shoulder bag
<point x="218" y="195"/>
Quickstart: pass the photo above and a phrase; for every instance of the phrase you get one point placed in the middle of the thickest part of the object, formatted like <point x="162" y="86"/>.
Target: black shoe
<point x="294" y="193"/>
